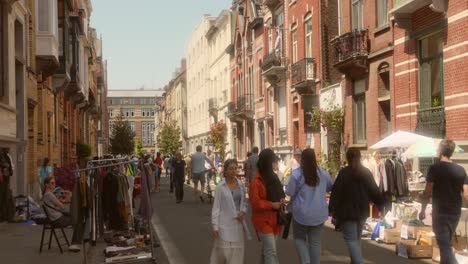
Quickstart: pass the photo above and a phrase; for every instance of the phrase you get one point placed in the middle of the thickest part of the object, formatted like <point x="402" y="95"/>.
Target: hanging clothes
<point x="145" y="210"/>
<point x="111" y="202"/>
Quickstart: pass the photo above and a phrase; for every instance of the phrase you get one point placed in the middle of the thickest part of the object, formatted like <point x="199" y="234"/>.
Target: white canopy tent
<point x="400" y="139"/>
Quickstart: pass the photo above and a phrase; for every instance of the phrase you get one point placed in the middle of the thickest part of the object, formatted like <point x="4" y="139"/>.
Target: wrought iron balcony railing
<point x="431" y="122"/>
<point x="351" y="49"/>
<point x="303" y="74"/>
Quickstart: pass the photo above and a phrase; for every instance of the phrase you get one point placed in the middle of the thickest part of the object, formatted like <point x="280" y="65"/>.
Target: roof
<point x="135" y="93"/>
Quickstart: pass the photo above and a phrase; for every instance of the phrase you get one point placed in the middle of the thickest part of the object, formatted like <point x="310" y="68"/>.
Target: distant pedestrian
<point x="167" y="165"/>
<point x="351" y="195"/>
<point x="159" y="165"/>
<point x="267" y="198"/>
<point x="446" y="181"/>
<point x="251" y="165"/>
<point x="178" y="168"/>
<point x="45" y="171"/>
<point x="171" y="173"/>
<point x="307" y="188"/>
<point x="199" y="170"/>
<point x="228" y="218"/>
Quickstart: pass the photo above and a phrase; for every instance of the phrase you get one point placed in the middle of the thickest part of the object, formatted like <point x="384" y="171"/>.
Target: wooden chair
<point x="49" y="226"/>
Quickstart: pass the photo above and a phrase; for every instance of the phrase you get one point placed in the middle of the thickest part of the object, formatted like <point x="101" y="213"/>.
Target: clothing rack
<point x="105" y="166"/>
<point x="105" y="160"/>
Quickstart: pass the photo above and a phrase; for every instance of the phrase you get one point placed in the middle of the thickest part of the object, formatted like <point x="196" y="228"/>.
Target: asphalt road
<point x="184" y="231"/>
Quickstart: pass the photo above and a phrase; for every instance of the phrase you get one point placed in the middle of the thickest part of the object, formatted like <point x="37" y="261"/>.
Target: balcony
<point x="245" y="106"/>
<point x="213" y="108"/>
<point x="272" y="4"/>
<point x="76" y="82"/>
<point x="431" y="122"/>
<point x="303" y="74"/>
<point x="232" y="112"/>
<point x="273" y="68"/>
<point x="352" y="49"/>
<point x="403" y="9"/>
<point x="47" y="37"/>
<point x="257" y="20"/>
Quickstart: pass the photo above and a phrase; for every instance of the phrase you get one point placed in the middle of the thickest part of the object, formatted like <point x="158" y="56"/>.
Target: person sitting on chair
<point x="58" y="216"/>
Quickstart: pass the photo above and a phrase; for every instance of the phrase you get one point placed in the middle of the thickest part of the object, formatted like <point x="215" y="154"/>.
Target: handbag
<point x="288" y="215"/>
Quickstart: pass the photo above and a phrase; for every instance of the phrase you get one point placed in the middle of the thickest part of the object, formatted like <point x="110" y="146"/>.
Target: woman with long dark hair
<point x="227" y="217"/>
<point x="267" y="197"/>
<point x="352" y="192"/>
<point x="308" y="187"/>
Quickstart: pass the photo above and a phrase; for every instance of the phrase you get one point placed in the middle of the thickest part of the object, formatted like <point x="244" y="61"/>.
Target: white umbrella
<point x="426" y="149"/>
<point x="399" y="139"/>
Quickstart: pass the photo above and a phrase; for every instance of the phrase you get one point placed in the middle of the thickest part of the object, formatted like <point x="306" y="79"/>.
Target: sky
<point x="145" y="41"/>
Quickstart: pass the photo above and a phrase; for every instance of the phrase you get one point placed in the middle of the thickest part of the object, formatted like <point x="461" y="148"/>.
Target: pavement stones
<point x="185" y="235"/>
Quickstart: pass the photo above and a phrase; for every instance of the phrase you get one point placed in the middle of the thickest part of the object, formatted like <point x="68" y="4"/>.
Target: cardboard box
<point x="391" y="236"/>
<point x="411" y="232"/>
<point x="427" y="238"/>
<point x="409" y="249"/>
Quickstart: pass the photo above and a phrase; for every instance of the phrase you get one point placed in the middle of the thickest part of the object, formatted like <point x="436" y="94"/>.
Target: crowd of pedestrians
<point x="307" y="209"/>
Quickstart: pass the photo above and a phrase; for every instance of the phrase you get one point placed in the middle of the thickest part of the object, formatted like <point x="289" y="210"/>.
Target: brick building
<point x="364" y="54"/>
<point x="137" y="107"/>
<point x="430" y="80"/>
<point x="312" y="77"/>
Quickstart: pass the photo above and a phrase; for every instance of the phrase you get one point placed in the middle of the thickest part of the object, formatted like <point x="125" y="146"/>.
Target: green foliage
<point x="218" y="138"/>
<point x="139" y="148"/>
<point x="332" y="120"/>
<point x="122" y="140"/>
<point x="169" y="138"/>
<point x="83" y="151"/>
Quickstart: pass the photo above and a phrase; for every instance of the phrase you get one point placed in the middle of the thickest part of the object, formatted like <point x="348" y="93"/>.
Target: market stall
<point x="411" y="155"/>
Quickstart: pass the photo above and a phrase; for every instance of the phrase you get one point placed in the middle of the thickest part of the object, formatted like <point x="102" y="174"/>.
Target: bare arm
<point x="425" y="197"/>
<point x="465" y="192"/>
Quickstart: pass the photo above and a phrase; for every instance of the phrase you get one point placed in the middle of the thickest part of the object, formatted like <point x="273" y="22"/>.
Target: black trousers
<point x="444" y="228"/>
<point x="179" y="188"/>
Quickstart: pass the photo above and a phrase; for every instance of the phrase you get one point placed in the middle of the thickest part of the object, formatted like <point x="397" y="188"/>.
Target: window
<point x="127" y="112"/>
<point x="294" y="45"/>
<point x="111" y="112"/>
<point x="382" y="13"/>
<point x="270" y="40"/>
<point x="384" y="100"/>
<point x="132" y="126"/>
<point x="147" y="112"/>
<point x="431" y="71"/>
<point x="308" y="38"/>
<point x="260" y="80"/>
<point x="147" y="133"/>
<point x="359" y="112"/>
<point x="356" y="15"/>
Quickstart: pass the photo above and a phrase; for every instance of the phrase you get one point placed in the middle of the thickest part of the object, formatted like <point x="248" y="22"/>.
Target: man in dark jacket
<point x="446" y="181"/>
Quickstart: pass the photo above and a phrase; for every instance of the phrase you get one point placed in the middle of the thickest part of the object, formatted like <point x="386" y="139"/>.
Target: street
<point x="184" y="231"/>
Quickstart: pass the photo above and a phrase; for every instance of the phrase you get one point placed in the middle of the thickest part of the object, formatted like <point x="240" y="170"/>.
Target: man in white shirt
<point x="199" y="170"/>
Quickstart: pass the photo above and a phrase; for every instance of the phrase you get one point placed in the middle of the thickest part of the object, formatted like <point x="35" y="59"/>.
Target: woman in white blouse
<point x="227" y="217"/>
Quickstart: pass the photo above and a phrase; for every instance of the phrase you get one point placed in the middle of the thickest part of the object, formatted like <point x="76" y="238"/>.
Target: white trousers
<point x="227" y="252"/>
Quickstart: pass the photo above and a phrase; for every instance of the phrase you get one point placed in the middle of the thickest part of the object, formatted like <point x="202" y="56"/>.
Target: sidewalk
<point x="19" y="244"/>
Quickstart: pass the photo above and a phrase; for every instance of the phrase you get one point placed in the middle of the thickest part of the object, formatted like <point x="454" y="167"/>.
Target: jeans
<point x="269" y="253"/>
<point x="308" y="242"/>
<point x="444" y="227"/>
<point x="352" y="231"/>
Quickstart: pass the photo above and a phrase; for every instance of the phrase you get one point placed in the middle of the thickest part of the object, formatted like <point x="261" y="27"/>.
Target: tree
<point x="122" y="140"/>
<point x="139" y="148"/>
<point x="218" y="138"/>
<point x="169" y="138"/>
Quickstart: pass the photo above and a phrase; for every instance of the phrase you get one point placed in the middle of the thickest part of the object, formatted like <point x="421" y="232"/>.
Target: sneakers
<point x="74" y="248"/>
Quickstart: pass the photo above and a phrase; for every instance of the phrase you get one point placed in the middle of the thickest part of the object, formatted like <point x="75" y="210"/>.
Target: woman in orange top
<point x="267" y="196"/>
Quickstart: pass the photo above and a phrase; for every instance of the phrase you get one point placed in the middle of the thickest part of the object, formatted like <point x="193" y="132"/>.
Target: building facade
<point x="49" y="84"/>
<point x="198" y="84"/>
<point x="220" y="38"/>
<point x="364" y="54"/>
<point x="138" y="107"/>
<point x="430" y="49"/>
<point x="175" y="97"/>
